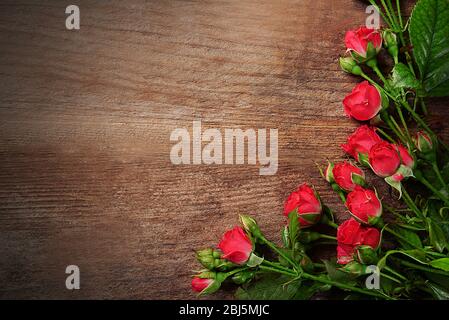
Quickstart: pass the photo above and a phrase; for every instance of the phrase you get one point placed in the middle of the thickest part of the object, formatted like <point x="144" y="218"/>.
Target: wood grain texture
<point x="86" y="116"/>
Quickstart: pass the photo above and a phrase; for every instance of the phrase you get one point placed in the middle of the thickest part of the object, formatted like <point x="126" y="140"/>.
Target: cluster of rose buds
<point x="235" y="249"/>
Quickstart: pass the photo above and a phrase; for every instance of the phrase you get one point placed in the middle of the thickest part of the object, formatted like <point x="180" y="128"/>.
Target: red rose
<point x="236" y="246"/>
<point x="199" y="284"/>
<point x="307" y="205"/>
<point x="361" y="141"/>
<point x="344" y="173"/>
<point x="363" y="103"/>
<point x="364" y="205"/>
<point x="423" y="142"/>
<point x="345" y="253"/>
<point x="406" y="158"/>
<point x="357" y="41"/>
<point x="350" y="235"/>
<point x="384" y="159"/>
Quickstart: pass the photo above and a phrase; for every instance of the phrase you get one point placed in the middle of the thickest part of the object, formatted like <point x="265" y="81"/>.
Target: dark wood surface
<point x="86" y="116"/>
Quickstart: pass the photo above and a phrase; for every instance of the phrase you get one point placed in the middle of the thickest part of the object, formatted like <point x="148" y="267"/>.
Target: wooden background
<point x="86" y="116"/>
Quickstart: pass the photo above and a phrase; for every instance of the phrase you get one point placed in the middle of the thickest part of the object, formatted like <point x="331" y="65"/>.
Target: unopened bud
<point x="366" y="255"/>
<point x="349" y="65"/>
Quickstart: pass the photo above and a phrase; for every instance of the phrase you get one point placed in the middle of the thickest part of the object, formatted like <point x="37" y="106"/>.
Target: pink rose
<point x="357" y="41"/>
<point x="350" y="235"/>
<point x="406" y="158"/>
<point x="364" y="205"/>
<point x="361" y="141"/>
<point x="384" y="159"/>
<point x="236" y="246"/>
<point x="363" y="103"/>
<point x="199" y="284"/>
<point x="307" y="205"/>
<point x="344" y="173"/>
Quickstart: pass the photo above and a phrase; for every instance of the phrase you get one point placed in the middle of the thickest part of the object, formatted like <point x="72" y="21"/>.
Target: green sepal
<point x="254" y="260"/>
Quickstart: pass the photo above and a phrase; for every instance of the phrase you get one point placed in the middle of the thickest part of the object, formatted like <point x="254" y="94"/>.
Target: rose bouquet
<point x="383" y="251"/>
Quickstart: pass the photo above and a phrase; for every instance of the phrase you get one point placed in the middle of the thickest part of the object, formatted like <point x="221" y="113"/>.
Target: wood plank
<point x="86" y="116"/>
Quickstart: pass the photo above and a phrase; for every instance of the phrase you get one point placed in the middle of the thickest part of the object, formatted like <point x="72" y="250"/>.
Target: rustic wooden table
<point x="86" y="117"/>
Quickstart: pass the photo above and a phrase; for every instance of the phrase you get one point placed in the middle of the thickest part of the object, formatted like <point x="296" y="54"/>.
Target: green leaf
<point x="285" y="237"/>
<point x="411" y="238"/>
<point x="417" y="255"/>
<point x="429" y="35"/>
<point x="443" y="281"/>
<point x="338" y="275"/>
<point x="269" y="287"/>
<point x="293" y="227"/>
<point x="436" y="235"/>
<point x="442" y="264"/>
<point x="438" y="292"/>
<point x="254" y="260"/>
<point x="308" y="289"/>
<point x="402" y="77"/>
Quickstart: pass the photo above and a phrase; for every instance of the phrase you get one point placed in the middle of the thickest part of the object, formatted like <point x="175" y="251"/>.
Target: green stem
<point x="417" y="118"/>
<point x="386" y="135"/>
<point x="410" y="203"/>
<point x="422" y="268"/>
<point x="404" y="125"/>
<point x="433" y="189"/>
<point x="276" y="265"/>
<point x="395" y="18"/>
<point x="423" y="106"/>
<point x="390" y="21"/>
<point x="401" y="237"/>
<point x="277" y="250"/>
<point x="393" y="126"/>
<point x="325" y="236"/>
<point x="383" y="274"/>
<point x="398" y="8"/>
<point x="397" y="274"/>
<point x="287" y="273"/>
<point x="380" y="11"/>
<point x="230" y="273"/>
<point x="380" y="75"/>
<point x="345" y="286"/>
<point x="326" y="281"/>
<point x="440" y="177"/>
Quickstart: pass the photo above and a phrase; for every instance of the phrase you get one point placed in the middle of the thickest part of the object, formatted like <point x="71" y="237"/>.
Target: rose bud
<point x="406" y="158"/>
<point x="207" y="258"/>
<point x="423" y="142"/>
<point x="354" y="268"/>
<point x="384" y="159"/>
<point x="243" y="276"/>
<point x="366" y="255"/>
<point x="391" y="44"/>
<point x="364" y="205"/>
<point x="306" y="204"/>
<point x="347" y="176"/>
<point x="328" y="175"/>
<point x="363" y="43"/>
<point x="360" y="143"/>
<point x="363" y="103"/>
<point x="200" y="284"/>
<point x="250" y="225"/>
<point x="236" y="246"/>
<point x="211" y="259"/>
<point x="349" y="65"/>
<point x="350" y="235"/>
